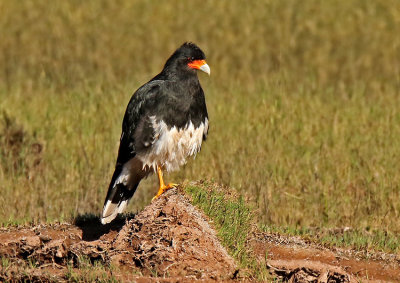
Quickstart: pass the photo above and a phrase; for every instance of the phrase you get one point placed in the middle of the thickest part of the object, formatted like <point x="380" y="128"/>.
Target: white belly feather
<point x="171" y="146"/>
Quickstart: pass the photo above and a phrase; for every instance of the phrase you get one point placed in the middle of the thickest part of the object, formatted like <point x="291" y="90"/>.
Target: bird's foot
<point x="163" y="189"/>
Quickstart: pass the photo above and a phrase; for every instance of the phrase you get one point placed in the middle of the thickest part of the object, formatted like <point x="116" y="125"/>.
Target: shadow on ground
<point x="92" y="229"/>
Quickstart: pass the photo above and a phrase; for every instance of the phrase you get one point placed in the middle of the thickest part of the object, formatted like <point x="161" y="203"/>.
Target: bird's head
<point x="188" y="58"/>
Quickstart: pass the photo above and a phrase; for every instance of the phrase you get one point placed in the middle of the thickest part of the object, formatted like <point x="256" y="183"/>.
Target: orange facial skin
<point x="196" y="64"/>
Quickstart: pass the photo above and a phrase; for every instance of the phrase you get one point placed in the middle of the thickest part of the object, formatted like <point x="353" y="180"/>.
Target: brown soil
<point x="170" y="238"/>
<point x="295" y="260"/>
<point x="172" y="241"/>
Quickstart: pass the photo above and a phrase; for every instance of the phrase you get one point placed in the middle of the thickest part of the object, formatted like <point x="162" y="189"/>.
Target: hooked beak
<point x="200" y="65"/>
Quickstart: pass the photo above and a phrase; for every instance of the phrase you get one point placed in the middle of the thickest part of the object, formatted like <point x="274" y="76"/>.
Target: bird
<point x="165" y="122"/>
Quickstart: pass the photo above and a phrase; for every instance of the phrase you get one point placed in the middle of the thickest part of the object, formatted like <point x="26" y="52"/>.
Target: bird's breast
<point x="172" y="145"/>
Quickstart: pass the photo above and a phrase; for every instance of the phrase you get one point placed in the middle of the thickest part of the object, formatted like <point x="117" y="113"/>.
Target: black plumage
<point x="165" y="121"/>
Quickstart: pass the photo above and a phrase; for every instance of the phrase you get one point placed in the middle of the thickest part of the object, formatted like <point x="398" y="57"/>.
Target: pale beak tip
<point x="206" y="69"/>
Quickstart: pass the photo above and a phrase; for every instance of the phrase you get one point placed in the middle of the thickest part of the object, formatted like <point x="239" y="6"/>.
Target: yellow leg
<point x="163" y="187"/>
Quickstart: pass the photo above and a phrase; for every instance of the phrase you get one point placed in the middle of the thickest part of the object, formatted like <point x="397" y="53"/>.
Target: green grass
<point x="233" y="219"/>
<point x="89" y="272"/>
<point x="303" y="104"/>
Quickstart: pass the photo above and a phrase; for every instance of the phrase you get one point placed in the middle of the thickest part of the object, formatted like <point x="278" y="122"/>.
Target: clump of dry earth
<point x="170" y="238"/>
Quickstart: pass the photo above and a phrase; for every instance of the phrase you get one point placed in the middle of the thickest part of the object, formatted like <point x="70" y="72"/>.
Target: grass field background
<point x="303" y="101"/>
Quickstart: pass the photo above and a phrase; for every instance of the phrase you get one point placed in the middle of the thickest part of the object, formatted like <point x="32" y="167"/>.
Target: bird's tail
<point x="118" y="195"/>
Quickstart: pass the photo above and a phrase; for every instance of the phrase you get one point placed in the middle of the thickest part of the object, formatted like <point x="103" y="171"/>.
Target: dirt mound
<point x="169" y="239"/>
<point x="172" y="238"/>
<point x="172" y="241"/>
